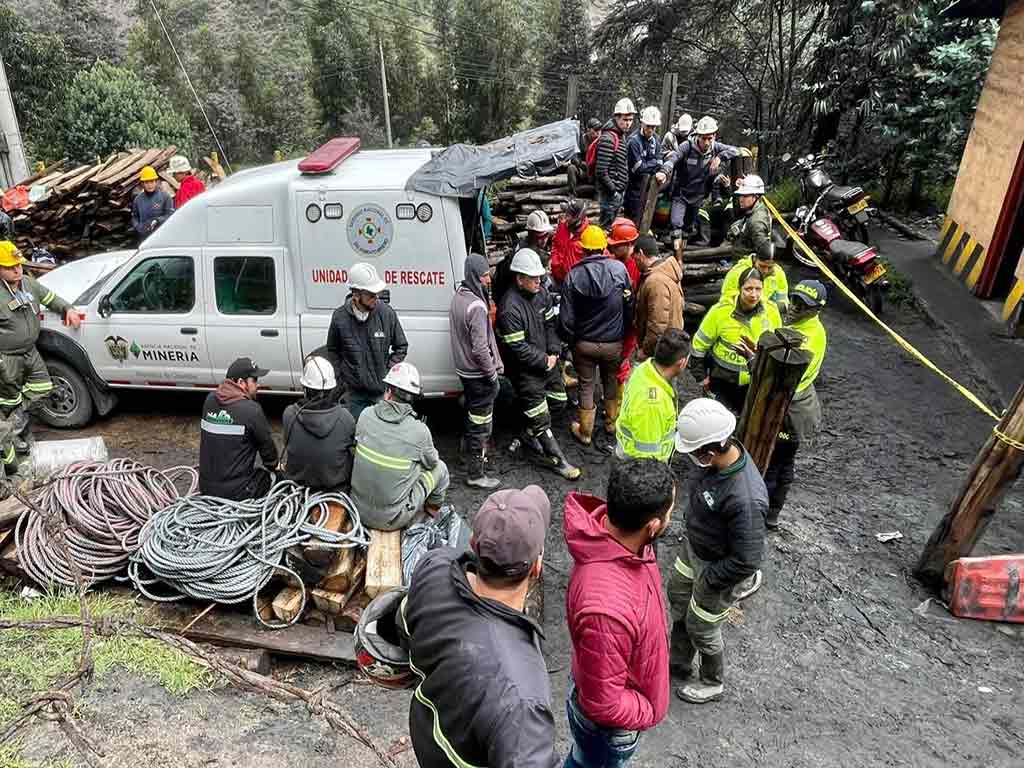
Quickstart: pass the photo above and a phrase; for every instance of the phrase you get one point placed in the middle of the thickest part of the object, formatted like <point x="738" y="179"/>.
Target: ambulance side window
<point x="160" y="285"/>
<point x="245" y="285"/>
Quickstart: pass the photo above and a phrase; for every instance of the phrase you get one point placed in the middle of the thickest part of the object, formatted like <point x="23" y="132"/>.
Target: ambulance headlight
<point x="424" y="212"/>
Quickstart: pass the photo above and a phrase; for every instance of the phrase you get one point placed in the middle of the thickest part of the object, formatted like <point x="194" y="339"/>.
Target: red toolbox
<point x="987" y="588"/>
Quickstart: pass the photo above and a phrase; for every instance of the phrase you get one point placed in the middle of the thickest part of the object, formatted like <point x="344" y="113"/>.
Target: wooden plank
<point x="340" y="572"/>
<point x="329" y="602"/>
<point x="226" y="627"/>
<point x="124" y="159"/>
<point x="50" y="169"/>
<point x="10" y="510"/>
<point x="383" y="562"/>
<point x="155" y="158"/>
<point x="140" y="159"/>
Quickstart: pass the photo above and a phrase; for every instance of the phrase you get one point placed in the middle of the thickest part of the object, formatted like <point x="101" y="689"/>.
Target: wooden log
<point x="47" y="171"/>
<point x="559" y="180"/>
<point x="253" y="659"/>
<point x="693" y="273"/>
<point x="651" y="193"/>
<point x="347" y="620"/>
<point x="383" y="562"/>
<point x="722" y="252"/>
<point x="341" y="571"/>
<point x="775" y="373"/>
<point x="288" y="603"/>
<point x="328" y="601"/>
<point x="336" y="521"/>
<point x="10" y="510"/>
<point x="994" y="471"/>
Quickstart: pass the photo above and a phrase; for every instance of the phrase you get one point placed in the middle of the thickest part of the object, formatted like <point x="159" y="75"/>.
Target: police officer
<point x="804" y="415"/>
<point x="24" y="380"/>
<point x="530" y="347"/>
<point x="752" y="245"/>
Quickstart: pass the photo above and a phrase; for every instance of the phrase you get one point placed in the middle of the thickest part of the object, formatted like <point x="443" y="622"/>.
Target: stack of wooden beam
<point x="521" y="197"/>
<point x="87" y="208"/>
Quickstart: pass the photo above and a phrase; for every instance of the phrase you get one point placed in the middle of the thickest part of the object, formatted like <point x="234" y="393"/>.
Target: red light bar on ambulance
<point x="330" y="155"/>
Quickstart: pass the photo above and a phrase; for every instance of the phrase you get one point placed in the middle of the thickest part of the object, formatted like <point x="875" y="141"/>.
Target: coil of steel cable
<point x="104" y="505"/>
<point x="225" y="551"/>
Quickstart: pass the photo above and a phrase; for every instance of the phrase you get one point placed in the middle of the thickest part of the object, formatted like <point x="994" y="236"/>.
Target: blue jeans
<point x="358" y="401"/>
<point x="594" y="746"/>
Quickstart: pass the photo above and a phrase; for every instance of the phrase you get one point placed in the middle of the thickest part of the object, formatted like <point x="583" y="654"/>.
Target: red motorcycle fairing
<point x="826" y="230"/>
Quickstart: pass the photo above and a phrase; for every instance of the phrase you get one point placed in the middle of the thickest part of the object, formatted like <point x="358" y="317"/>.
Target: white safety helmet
<point x="624" y="107"/>
<point x="751" y="184"/>
<point x="527" y="262"/>
<point x="703" y="421"/>
<point x="538" y="221"/>
<point x="405" y="377"/>
<point x="364" y="277"/>
<point x="318" y="373"/>
<point x="651" y="116"/>
<point x="179" y="164"/>
<point x="706" y="126"/>
<point x="684" y="124"/>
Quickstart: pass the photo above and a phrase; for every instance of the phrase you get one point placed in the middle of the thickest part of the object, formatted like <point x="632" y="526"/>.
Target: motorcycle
<point x="855" y="263"/>
<point x="849" y="206"/>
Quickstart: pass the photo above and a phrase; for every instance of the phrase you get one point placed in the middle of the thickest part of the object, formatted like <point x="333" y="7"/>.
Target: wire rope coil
<point x="225" y="551"/>
<point x="99" y="508"/>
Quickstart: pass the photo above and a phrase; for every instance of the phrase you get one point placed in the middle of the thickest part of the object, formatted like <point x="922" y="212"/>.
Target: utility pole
<point x="572" y="96"/>
<point x="13" y="167"/>
<point x="669" y="85"/>
<point x="384" y="82"/>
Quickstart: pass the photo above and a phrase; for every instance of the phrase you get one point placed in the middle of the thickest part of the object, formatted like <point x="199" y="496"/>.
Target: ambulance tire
<point x="70" y="406"/>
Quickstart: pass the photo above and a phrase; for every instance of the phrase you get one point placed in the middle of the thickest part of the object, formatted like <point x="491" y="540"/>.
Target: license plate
<point x="876" y="271"/>
<point x="859" y="206"/>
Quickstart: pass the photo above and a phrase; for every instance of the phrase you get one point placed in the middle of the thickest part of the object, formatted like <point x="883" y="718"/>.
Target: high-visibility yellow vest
<point x="646" y="427"/>
<point x="721" y="332"/>
<point x="776" y="286"/>
<point x="815" y="341"/>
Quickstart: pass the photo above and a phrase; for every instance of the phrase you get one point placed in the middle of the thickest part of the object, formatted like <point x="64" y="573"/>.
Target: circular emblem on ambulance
<point x="370" y="229"/>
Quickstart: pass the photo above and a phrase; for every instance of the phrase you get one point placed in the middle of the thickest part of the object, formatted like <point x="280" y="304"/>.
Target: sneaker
<point x="748" y="586"/>
<point x="484" y="482"/>
<point x="700" y="693"/>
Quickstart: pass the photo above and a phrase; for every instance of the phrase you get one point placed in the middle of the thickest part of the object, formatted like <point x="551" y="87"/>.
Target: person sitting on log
<point x="752" y="245"/>
<point x="319" y="433"/>
<point x="727" y="339"/>
<point x="397" y="475"/>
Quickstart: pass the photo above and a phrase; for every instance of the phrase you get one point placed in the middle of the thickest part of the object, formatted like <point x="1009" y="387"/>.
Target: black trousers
<point x="479" y="395"/>
<point x="781" y="472"/>
<point x="732" y="396"/>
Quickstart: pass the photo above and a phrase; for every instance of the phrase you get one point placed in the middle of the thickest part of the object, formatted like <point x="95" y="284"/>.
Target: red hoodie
<point x="189" y="188"/>
<point x="616" y="613"/>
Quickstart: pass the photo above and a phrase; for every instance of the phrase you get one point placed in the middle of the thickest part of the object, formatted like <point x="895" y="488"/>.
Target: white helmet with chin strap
<point x="404" y="376"/>
<point x="318" y="374"/>
<point x="706" y="126"/>
<point x="651" y="116"/>
<point x="624" y="107"/>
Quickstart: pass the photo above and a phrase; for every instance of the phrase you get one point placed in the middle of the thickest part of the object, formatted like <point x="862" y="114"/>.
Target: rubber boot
<point x="710" y="687"/>
<point x="611" y="414"/>
<point x="22" y="430"/>
<point x="475" y="477"/>
<point x="748" y="586"/>
<point x="559" y="463"/>
<point x="583" y="428"/>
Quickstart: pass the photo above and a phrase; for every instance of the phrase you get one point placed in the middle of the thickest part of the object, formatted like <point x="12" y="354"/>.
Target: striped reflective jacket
<point x="776" y="285"/>
<point x="233" y="431"/>
<point x="393" y="449"/>
<point x="19" y="314"/>
<point x="646" y="427"/>
<point x="526" y="332"/>
<point x="719" y="338"/>
<point x="815" y="341"/>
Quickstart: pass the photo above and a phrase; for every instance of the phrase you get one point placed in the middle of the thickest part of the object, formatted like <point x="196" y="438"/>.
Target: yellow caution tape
<point x="1008" y="440"/>
<point x="899" y="339"/>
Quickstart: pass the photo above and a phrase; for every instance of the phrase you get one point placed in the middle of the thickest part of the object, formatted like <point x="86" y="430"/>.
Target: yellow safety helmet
<point x="148" y="174"/>
<point x="593" y="238"/>
<point x="10" y="256"/>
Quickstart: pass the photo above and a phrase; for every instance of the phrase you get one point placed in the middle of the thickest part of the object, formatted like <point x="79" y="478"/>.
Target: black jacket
<point x="231" y="435"/>
<point x="526" y="332"/>
<point x="318" y="442"/>
<point x="725" y="521"/>
<point x="484" y="691"/>
<point x="366" y="351"/>
<point x="597" y="301"/>
<point x="610" y="167"/>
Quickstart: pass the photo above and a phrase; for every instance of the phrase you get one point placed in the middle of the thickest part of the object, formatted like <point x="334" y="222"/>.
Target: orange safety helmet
<point x="623" y="231"/>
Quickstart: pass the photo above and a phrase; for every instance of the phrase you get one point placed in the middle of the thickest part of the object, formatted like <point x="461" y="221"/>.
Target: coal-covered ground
<point x="839" y="660"/>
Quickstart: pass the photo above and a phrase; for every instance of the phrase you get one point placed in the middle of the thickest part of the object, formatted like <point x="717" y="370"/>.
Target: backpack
<point x="592" y="150"/>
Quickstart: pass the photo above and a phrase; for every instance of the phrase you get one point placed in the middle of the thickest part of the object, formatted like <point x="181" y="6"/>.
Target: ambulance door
<point x="155" y="322"/>
<point x="247" y="303"/>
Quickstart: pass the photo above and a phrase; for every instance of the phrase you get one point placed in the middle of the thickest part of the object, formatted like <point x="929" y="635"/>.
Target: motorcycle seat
<point x="838" y="194"/>
<point x="846" y="250"/>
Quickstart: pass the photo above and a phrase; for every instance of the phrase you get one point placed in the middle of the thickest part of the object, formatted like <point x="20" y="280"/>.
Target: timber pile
<point x="88" y="208"/>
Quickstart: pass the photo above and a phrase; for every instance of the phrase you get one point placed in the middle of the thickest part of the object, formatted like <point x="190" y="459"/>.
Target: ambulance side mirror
<point x="106" y="310"/>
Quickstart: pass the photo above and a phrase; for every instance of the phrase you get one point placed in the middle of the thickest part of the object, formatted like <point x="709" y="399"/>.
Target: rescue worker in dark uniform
<point x="643" y="158"/>
<point x="24" y="381"/>
<point x="804" y="415"/>
<point x="234" y="430"/>
<point x="726" y="502"/>
<point x="530" y="347"/>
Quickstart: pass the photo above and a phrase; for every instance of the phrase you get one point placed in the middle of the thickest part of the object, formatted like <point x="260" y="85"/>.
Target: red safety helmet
<point x="623" y="231"/>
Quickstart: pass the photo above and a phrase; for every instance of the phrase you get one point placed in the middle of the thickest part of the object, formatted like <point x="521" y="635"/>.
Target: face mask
<point x="693" y="458"/>
<point x="361" y="315"/>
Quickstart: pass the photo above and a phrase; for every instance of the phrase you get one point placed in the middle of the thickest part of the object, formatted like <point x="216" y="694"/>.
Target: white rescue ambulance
<point x="255" y="267"/>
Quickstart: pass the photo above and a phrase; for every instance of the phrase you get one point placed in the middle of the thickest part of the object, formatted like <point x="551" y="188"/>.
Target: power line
<point x="188" y="80"/>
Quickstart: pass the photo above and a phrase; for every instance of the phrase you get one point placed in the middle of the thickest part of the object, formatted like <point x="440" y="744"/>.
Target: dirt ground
<point x="838" y="661"/>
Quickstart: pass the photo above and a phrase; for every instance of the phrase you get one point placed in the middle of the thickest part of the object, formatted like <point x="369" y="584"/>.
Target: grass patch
<point x="33" y="661"/>
<point x="785" y="194"/>
<point x="901" y="288"/>
<point x="10" y="757"/>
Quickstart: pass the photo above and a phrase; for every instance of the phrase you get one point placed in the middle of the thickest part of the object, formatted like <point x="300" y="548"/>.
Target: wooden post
<point x="572" y="95"/>
<point x="650" y="202"/>
<point x="775" y="372"/>
<point x="383" y="562"/>
<point x="668" y="97"/>
<point x="996" y="467"/>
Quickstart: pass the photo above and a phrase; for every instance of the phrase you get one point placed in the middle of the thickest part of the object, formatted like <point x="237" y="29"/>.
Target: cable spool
<point x="224" y="551"/>
<point x="105" y="505"/>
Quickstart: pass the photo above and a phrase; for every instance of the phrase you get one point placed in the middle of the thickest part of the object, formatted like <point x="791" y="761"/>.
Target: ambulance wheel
<point x="70" y="404"/>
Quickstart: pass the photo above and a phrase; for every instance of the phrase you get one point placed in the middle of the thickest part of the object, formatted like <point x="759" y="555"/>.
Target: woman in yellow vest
<point x="727" y="339"/>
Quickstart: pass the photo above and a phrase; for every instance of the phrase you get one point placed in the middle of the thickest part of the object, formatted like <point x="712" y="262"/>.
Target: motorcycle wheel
<point x="874" y="297"/>
<point x="860" y="233"/>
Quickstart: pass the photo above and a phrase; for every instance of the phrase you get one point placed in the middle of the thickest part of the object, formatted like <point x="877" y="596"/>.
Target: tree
<point x="107" y="109"/>
<point x="570" y="55"/>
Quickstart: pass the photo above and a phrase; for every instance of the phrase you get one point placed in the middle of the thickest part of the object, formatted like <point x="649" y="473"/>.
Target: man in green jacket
<point x="397" y="475"/>
<point x="24" y="381"/>
<point x="646" y="426"/>
<point x="752" y="245"/>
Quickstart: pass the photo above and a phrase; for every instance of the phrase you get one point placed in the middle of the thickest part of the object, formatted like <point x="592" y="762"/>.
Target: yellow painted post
<point x="965" y="255"/>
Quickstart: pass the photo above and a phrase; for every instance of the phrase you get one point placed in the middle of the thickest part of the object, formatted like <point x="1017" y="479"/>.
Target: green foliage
<point x="569" y="55"/>
<point x="785" y="194"/>
<point x="108" y="108"/>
